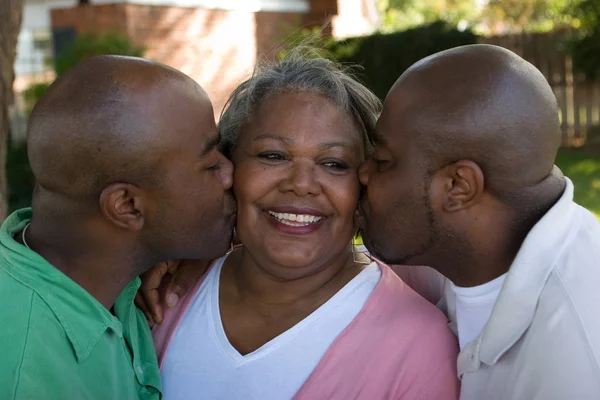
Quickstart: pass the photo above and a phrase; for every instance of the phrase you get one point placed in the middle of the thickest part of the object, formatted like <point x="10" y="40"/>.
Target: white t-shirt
<point x="202" y="364"/>
<point x="473" y="308"/>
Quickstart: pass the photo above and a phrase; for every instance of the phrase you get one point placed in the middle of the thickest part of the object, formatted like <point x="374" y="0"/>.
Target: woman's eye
<point x="270" y="156"/>
<point x="333" y="164"/>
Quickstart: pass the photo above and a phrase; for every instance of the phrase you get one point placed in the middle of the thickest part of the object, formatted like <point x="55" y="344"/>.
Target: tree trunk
<point x="11" y="12"/>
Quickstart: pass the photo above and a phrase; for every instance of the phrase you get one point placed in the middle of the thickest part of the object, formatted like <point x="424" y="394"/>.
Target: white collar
<point x="516" y="305"/>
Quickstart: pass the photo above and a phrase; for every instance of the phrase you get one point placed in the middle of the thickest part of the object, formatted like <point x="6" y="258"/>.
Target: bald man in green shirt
<point x="128" y="175"/>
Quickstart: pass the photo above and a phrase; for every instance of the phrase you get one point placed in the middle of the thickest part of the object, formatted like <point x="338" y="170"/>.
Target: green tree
<point x="404" y="14"/>
<point x="585" y="48"/>
<point x="527" y="15"/>
<point x="586" y="13"/>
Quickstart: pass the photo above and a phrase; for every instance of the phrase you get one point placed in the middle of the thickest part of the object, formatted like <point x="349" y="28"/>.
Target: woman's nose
<point x="301" y="179"/>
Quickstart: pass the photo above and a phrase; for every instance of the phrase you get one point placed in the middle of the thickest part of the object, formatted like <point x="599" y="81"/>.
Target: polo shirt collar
<point x="82" y="317"/>
<point x="517" y="302"/>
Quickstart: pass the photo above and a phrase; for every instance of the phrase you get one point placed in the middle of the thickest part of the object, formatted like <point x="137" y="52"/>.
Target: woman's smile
<point x="294" y="220"/>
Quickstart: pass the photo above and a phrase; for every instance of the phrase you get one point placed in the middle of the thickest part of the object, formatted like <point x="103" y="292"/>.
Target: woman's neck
<point x="255" y="280"/>
<point x="257" y="306"/>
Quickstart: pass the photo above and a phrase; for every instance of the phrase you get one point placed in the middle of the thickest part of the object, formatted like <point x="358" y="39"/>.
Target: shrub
<point x="585" y="48"/>
<point x="90" y="44"/>
<point x="33" y="93"/>
<point x="84" y="46"/>
<point x="585" y="51"/>
<point x="384" y="57"/>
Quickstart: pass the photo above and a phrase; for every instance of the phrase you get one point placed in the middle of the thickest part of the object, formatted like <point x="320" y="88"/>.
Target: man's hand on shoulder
<point x="165" y="284"/>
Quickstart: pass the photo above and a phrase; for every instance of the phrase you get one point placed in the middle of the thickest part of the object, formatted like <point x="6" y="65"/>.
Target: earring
<point x="355" y="255"/>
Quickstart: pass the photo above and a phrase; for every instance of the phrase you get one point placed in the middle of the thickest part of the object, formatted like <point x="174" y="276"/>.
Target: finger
<point x="173" y="265"/>
<point x="151" y="279"/>
<point x="153" y="300"/>
<point x="149" y="319"/>
<point x="186" y="276"/>
<point x="149" y="289"/>
<point x="141" y="304"/>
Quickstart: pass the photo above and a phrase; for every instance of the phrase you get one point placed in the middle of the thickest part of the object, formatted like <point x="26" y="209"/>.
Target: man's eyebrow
<point x="211" y="144"/>
<point x="271" y="136"/>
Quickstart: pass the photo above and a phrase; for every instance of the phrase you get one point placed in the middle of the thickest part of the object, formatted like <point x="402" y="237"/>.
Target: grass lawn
<point x="583" y="167"/>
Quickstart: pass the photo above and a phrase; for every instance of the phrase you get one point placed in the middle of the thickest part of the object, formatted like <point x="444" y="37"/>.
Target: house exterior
<point x="216" y="42"/>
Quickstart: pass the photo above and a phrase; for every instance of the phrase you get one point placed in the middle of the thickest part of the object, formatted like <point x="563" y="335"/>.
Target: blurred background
<point x="218" y="42"/>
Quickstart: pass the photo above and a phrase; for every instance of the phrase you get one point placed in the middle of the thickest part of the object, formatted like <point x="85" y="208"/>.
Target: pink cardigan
<point x="397" y="347"/>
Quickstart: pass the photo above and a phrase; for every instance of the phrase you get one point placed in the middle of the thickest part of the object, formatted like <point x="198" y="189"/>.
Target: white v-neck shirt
<point x="202" y="364"/>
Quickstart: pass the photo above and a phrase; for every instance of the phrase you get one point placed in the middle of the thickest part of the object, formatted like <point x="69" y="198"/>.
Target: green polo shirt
<point x="59" y="342"/>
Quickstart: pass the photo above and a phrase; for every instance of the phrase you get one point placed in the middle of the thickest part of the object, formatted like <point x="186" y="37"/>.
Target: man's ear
<point x="123" y="204"/>
<point x="461" y="185"/>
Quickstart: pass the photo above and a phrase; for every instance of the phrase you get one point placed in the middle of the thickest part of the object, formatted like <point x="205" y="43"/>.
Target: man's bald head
<point x="466" y="141"/>
<point x="125" y="154"/>
<point x="104" y="121"/>
<point x="481" y="103"/>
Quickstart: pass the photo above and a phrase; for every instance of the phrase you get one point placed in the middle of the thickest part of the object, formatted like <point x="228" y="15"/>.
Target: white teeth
<point x="296" y="219"/>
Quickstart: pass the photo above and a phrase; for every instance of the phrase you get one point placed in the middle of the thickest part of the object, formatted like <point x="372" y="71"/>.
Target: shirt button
<point x="139" y="370"/>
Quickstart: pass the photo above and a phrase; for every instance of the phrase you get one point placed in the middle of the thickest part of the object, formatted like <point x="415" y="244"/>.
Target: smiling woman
<point x="305" y="168"/>
<point x="295" y="312"/>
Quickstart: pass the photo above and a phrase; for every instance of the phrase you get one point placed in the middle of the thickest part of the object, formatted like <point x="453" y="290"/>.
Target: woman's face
<point x="296" y="183"/>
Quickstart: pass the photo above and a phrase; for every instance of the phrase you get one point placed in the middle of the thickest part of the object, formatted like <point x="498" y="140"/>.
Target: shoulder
<point x="163" y="332"/>
<point x="414" y="329"/>
<point x="419" y="336"/>
<point x="424" y="280"/>
<point x="406" y="321"/>
<point x="403" y="305"/>
<point x="398" y="346"/>
<point x="567" y="309"/>
<point x="32" y="336"/>
<point x="581" y="249"/>
<point x="567" y="313"/>
<point x="573" y="288"/>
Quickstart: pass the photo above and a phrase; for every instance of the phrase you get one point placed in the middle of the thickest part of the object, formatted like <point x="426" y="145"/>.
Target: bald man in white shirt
<point x="463" y="180"/>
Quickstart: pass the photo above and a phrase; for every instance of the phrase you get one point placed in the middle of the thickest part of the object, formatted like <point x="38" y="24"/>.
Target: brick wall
<point x="99" y="18"/>
<point x="215" y="47"/>
<point x="218" y="48"/>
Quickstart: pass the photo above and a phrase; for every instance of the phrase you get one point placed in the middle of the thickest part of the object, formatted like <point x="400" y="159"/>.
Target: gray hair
<point x="300" y="71"/>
